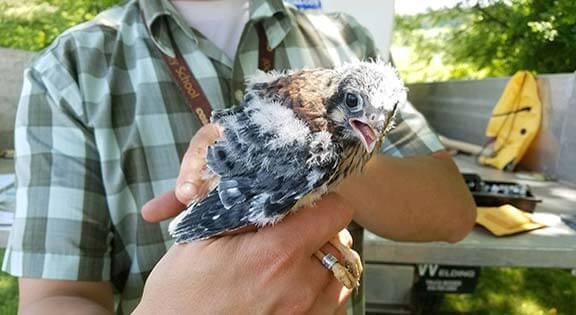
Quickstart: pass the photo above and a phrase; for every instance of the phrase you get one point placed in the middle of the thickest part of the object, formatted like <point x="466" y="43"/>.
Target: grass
<point x="516" y="291"/>
<point x="8" y="292"/>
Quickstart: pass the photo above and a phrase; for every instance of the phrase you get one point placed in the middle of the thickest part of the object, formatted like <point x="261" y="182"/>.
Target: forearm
<point x="412" y="199"/>
<point x="62" y="305"/>
<point x="46" y="296"/>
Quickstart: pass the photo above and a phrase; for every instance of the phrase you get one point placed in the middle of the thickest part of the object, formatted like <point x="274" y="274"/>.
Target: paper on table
<point x="506" y="220"/>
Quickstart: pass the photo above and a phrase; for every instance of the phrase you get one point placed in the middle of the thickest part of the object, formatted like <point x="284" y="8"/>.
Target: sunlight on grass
<point x="8" y="292"/>
<point x="517" y="291"/>
<point x="6" y="283"/>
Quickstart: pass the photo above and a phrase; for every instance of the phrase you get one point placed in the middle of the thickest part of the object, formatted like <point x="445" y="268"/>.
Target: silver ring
<point x="329" y="261"/>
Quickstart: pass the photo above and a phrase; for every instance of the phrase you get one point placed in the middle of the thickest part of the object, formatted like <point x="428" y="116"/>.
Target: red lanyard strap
<point x="189" y="87"/>
<point x="265" y="53"/>
<point x="193" y="94"/>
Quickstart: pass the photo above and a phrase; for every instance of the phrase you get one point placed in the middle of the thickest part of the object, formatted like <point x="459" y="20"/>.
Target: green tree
<point x="497" y="37"/>
<point x="33" y="24"/>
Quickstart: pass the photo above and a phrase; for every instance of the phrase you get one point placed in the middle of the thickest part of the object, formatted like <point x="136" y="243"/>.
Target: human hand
<point x="190" y="183"/>
<point x="271" y="270"/>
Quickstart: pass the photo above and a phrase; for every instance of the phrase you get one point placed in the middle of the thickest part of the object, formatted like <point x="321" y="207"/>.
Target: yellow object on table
<point x="515" y="122"/>
<point x="506" y="220"/>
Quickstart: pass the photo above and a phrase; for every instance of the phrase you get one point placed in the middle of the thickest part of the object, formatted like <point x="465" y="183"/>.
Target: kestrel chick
<point x="294" y="137"/>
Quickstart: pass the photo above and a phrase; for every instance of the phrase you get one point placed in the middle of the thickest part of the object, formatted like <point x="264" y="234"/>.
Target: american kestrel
<point x="295" y="137"/>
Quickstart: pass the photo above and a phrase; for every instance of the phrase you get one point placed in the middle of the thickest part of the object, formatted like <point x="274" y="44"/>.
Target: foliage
<point x="420" y="50"/>
<point x="8" y="292"/>
<point x="33" y="24"/>
<point x="493" y="38"/>
<point x="517" y="291"/>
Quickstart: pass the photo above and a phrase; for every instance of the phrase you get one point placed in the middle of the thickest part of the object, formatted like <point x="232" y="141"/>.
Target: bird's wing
<point x="267" y="160"/>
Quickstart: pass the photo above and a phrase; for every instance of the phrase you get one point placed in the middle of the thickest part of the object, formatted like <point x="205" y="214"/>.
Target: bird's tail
<point x="204" y="219"/>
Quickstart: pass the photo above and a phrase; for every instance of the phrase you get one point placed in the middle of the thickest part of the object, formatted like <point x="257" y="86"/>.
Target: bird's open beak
<point x="365" y="131"/>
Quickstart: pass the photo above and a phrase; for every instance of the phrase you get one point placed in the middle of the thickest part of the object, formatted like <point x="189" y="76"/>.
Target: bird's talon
<point x="344" y="276"/>
<point x="351" y="269"/>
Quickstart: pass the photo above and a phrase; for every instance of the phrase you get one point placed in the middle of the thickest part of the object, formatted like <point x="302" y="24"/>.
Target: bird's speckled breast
<point x="355" y="158"/>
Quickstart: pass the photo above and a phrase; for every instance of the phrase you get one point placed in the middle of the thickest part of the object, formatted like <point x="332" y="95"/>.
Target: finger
<point x="310" y="228"/>
<point x="318" y="275"/>
<point x="189" y="182"/>
<point x="162" y="207"/>
<point x="345" y="237"/>
<point x="342" y="308"/>
<point x="340" y="268"/>
<point x="332" y="299"/>
<point x="328" y="249"/>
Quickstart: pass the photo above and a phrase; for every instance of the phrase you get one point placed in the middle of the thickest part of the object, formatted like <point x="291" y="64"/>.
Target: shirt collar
<point x="275" y="18"/>
<point x="260" y="9"/>
<point x="272" y="13"/>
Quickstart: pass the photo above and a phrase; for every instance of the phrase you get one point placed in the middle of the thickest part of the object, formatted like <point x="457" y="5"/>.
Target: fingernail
<point x="187" y="191"/>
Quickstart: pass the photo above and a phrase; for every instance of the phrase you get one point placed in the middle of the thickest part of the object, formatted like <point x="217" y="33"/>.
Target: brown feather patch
<point x="306" y="92"/>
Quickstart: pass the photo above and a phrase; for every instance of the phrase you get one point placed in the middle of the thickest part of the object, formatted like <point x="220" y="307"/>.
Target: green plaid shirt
<point x="101" y="129"/>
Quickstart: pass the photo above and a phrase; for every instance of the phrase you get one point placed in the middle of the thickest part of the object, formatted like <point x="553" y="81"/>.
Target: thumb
<point x="185" y="192"/>
<point x="162" y="207"/>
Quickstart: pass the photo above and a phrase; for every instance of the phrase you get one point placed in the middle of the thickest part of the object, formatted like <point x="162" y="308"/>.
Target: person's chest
<point x="143" y="126"/>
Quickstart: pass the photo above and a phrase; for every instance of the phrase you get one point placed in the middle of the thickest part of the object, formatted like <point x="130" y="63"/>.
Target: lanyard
<point x="193" y="94"/>
<point x="265" y="53"/>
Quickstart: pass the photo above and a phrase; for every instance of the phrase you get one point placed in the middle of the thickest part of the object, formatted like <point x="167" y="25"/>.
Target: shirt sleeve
<point x="62" y="225"/>
<point x="412" y="134"/>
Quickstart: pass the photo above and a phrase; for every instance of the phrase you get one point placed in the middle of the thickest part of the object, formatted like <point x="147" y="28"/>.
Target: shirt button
<point x="239" y="95"/>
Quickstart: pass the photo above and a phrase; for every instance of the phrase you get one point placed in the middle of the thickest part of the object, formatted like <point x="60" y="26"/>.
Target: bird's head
<point x="357" y="102"/>
<point x="365" y="100"/>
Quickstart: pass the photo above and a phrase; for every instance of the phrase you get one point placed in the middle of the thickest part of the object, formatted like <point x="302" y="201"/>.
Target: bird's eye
<point x="353" y="101"/>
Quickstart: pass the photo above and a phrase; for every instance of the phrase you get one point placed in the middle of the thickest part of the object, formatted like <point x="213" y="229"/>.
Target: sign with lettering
<point x="446" y="279"/>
